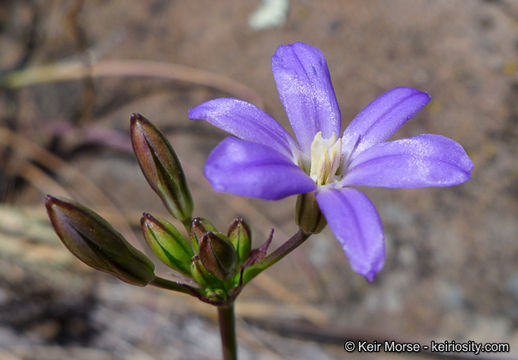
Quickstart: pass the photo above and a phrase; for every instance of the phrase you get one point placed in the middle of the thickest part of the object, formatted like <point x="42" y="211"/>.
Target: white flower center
<point x="326" y="158"/>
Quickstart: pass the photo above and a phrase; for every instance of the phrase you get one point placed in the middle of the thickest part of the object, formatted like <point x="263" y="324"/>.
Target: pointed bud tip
<point x="138" y="118"/>
<point x="149" y="220"/>
<point x="239" y="220"/>
<point x="135" y="117"/>
<point x="147" y="216"/>
<point x="53" y="202"/>
<point x="49" y="201"/>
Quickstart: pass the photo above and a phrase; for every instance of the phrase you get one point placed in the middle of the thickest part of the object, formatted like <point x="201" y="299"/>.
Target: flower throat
<point x="326" y="158"/>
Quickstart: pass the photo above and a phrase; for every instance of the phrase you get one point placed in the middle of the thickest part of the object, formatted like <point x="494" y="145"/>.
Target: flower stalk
<point x="283" y="250"/>
<point x="227" y="329"/>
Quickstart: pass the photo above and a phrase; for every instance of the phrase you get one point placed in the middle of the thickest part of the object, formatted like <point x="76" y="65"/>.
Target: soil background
<point x="451" y="269"/>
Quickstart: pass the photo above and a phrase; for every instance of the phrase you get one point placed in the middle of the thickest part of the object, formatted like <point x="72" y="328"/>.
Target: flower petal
<point x="419" y="161"/>
<point x="383" y="117"/>
<point x="356" y="224"/>
<point x="249" y="169"/>
<point x="306" y="91"/>
<point x="246" y="121"/>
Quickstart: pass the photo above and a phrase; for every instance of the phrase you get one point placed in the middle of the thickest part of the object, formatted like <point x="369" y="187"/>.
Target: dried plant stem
<point x="71" y="176"/>
<point x="76" y="70"/>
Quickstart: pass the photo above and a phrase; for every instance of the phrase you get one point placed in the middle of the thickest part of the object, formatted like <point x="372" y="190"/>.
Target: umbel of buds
<point x="215" y="264"/>
<point x="95" y="242"/>
<point x="161" y="167"/>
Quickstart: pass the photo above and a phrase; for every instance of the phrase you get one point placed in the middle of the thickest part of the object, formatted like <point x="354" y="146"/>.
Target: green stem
<point x="227" y="329"/>
<point x="283" y="250"/>
<point x="169" y="285"/>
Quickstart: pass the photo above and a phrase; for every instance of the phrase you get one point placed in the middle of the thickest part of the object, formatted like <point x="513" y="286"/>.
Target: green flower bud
<point x="240" y="236"/>
<point x="161" y="167"/>
<point x="171" y="247"/>
<point x="205" y="279"/>
<point x="308" y="215"/>
<point x="95" y="242"/>
<point x="217" y="255"/>
<point x="200" y="226"/>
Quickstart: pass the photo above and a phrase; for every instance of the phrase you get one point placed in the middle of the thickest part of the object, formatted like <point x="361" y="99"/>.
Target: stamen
<point x="326" y="158"/>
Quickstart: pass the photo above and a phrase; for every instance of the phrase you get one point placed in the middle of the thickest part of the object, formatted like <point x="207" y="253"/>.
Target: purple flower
<point x="264" y="161"/>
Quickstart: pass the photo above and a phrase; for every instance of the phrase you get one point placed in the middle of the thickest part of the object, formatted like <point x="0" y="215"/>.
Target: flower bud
<point x="161" y="167"/>
<point x="308" y="215"/>
<point x="240" y="236"/>
<point x="95" y="242"/>
<point x="200" y="226"/>
<point x="202" y="276"/>
<point x="217" y="255"/>
<point x="167" y="243"/>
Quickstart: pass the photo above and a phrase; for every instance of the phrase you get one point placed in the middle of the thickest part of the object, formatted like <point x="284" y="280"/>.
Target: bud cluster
<point x="212" y="261"/>
<point x="217" y="264"/>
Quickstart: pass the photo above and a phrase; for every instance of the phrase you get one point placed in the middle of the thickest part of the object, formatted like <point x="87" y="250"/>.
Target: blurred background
<point x="71" y="73"/>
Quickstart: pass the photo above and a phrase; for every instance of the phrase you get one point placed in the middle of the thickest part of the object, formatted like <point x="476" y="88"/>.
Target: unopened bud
<point x="171" y="247"/>
<point x="95" y="242"/>
<point x="217" y="255"/>
<point x="161" y="167"/>
<point x="308" y="215"/>
<point x="202" y="276"/>
<point x="240" y="236"/>
<point x="200" y="226"/>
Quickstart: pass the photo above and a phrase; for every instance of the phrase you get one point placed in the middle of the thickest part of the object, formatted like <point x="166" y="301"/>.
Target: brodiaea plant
<point x="262" y="160"/>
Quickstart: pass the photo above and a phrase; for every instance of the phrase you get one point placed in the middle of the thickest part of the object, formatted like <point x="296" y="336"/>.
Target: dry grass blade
<point x="109" y="68"/>
<point x="77" y="184"/>
<point x="38" y="178"/>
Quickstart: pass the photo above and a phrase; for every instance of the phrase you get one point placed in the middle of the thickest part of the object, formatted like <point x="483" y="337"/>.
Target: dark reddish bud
<point x="200" y="226"/>
<point x="161" y="167"/>
<point x="95" y="242"/>
<point x="217" y="255"/>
